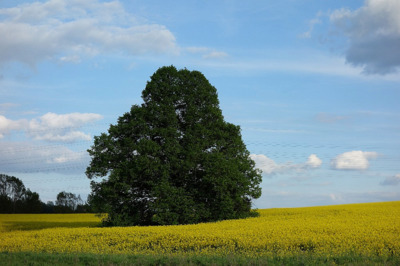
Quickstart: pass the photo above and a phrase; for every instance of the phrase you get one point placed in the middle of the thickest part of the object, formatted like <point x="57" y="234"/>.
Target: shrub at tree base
<point x="173" y="160"/>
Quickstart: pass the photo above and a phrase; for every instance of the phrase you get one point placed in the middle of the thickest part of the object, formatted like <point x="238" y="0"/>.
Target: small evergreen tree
<point x="173" y="160"/>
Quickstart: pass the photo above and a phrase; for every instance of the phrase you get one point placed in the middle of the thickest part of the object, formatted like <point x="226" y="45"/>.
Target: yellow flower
<point x="371" y="229"/>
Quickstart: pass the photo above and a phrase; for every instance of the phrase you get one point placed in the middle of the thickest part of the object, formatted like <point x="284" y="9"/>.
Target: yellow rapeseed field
<point x="371" y="229"/>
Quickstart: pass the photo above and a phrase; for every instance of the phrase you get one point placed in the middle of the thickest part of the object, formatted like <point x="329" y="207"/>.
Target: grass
<point x="93" y="259"/>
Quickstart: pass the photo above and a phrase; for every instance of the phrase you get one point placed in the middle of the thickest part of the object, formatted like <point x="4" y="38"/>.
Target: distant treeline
<point x="15" y="198"/>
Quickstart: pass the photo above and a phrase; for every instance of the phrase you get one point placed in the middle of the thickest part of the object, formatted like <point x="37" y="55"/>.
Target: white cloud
<point x="69" y="30"/>
<point x="22" y="157"/>
<point x="313" y="161"/>
<point x="71" y="59"/>
<point x="373" y="33"/>
<point x="7" y="125"/>
<point x="61" y="135"/>
<point x="265" y="164"/>
<point x="353" y="160"/>
<point x="51" y="126"/>
<point x="391" y="181"/>
<point x="55" y="127"/>
<point x="269" y="166"/>
<point x="336" y="197"/>
<point x="311" y="25"/>
<point x="56" y="121"/>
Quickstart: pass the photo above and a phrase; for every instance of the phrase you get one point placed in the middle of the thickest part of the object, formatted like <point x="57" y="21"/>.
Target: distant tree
<point x="173" y="160"/>
<point x="5" y="201"/>
<point x="6" y="205"/>
<point x="13" y="189"/>
<point x="3" y="184"/>
<point x="31" y="202"/>
<point x="15" y="198"/>
<point x="48" y="207"/>
<point x="67" y="202"/>
<point x="83" y="208"/>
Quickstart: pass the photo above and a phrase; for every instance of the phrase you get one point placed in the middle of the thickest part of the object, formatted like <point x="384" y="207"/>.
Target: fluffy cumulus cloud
<point x="265" y="164"/>
<point x="66" y="30"/>
<point x="8" y="125"/>
<point x="55" y="127"/>
<point x="313" y="161"/>
<point x="391" y="181"/>
<point x="373" y="33"/>
<point x="353" y="160"/>
<point x="51" y="126"/>
<point x="269" y="166"/>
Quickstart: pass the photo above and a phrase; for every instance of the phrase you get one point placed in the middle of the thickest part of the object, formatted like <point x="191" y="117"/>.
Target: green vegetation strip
<point x="92" y="259"/>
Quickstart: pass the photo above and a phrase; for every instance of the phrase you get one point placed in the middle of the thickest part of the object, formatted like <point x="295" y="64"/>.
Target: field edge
<point x="30" y="258"/>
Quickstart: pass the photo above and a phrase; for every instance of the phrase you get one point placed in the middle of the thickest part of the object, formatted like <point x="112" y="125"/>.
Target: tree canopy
<point x="67" y="202"/>
<point x="173" y="159"/>
<point x="15" y="198"/>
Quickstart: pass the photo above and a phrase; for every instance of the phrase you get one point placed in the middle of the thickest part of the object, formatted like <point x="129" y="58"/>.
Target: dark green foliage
<point x="67" y="202"/>
<point x="48" y="207"/>
<point x="6" y="205"/>
<point x="15" y="198"/>
<point x="173" y="160"/>
<point x="32" y="203"/>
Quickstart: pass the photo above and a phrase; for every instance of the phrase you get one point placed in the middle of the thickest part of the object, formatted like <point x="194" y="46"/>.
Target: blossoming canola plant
<point x="25" y="222"/>
<point x="371" y="229"/>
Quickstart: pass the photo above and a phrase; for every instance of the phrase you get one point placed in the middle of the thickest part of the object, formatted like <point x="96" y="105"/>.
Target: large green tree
<point x="173" y="159"/>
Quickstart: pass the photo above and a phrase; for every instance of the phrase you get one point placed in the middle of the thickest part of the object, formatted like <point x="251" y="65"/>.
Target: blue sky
<point x="314" y="85"/>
